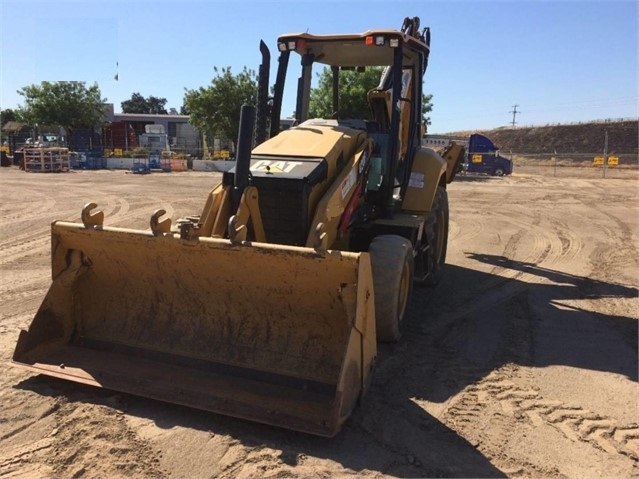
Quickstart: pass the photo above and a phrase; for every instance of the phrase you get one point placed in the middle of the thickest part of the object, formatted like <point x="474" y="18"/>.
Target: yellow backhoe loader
<point x="268" y="305"/>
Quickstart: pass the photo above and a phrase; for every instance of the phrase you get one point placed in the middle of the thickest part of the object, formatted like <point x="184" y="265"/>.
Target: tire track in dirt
<point x="19" y="461"/>
<point x="21" y="249"/>
<point x="551" y="245"/>
<point x="603" y="206"/>
<point x="571" y="244"/>
<point x="19" y="211"/>
<point x="516" y="402"/>
<point x="82" y="440"/>
<point x="21" y="252"/>
<point x="95" y="441"/>
<point x="142" y="213"/>
<point x="453" y="229"/>
<point x="612" y="252"/>
<point x="22" y="416"/>
<point x="470" y="230"/>
<point x="467" y="412"/>
<point x="504" y="280"/>
<point x="545" y="245"/>
<point x="576" y="423"/>
<point x="436" y="365"/>
<point x="16" y="300"/>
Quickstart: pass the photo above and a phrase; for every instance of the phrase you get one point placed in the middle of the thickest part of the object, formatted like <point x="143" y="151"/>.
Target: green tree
<point x="427" y="107"/>
<point x="8" y="115"/>
<point x="69" y="104"/>
<point x="139" y="104"/>
<point x="215" y="109"/>
<point x="354" y="86"/>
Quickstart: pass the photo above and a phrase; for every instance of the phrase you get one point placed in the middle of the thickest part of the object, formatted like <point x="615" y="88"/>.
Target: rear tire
<point x="436" y="229"/>
<point x="392" y="265"/>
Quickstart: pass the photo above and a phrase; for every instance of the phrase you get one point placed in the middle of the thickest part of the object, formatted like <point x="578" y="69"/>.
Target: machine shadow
<point x="401" y="442"/>
<point x="475" y="322"/>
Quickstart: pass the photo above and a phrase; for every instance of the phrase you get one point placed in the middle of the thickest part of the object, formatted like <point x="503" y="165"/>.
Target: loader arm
<point x="332" y="206"/>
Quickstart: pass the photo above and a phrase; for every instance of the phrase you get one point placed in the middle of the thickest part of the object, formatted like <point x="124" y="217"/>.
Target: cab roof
<point x="352" y="50"/>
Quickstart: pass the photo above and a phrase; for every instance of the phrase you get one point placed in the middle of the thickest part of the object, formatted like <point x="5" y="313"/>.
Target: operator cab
<point x="395" y="121"/>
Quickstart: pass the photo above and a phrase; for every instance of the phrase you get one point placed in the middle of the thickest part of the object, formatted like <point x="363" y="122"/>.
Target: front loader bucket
<point x="275" y="334"/>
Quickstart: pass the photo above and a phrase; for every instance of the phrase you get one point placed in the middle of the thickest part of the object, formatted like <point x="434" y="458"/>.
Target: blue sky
<point x="558" y="61"/>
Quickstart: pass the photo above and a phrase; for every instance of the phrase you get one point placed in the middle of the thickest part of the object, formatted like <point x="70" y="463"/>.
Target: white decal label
<point x="416" y="180"/>
<point x="348" y="183"/>
<point x="406" y="76"/>
<point x="274" y="166"/>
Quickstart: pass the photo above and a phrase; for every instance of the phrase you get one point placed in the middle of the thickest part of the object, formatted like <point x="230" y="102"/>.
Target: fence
<point x="577" y="164"/>
<point x="88" y="160"/>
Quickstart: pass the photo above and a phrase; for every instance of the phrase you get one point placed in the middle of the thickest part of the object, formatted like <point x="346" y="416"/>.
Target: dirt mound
<point x="583" y="138"/>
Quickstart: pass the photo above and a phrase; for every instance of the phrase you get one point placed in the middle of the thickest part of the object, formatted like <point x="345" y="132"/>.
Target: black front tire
<point x="392" y="265"/>
<point x="436" y="234"/>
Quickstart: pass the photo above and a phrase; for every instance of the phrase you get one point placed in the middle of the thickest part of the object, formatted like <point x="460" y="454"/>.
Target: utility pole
<point x="514" y="112"/>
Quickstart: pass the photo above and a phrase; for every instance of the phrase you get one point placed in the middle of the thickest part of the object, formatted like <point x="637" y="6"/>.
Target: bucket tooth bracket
<point x="89" y="219"/>
<point x="237" y="232"/>
<point x="160" y="227"/>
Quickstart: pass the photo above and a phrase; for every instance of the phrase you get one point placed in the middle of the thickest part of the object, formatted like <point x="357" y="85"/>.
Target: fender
<point x="426" y="174"/>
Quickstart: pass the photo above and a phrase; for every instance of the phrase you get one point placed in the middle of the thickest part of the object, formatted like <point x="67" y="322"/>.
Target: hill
<point x="623" y="138"/>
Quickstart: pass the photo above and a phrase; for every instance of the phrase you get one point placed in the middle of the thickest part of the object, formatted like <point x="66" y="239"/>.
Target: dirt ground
<point x="522" y="363"/>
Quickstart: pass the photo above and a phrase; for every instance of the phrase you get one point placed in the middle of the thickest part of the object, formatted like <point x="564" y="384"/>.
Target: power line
<point x="514" y="112"/>
<point x="592" y="102"/>
<point x="570" y="107"/>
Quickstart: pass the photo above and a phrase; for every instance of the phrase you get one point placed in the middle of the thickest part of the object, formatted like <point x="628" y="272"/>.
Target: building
<point x="125" y="130"/>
